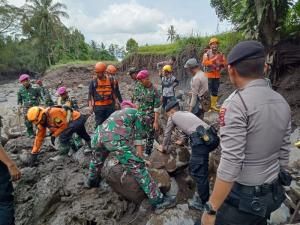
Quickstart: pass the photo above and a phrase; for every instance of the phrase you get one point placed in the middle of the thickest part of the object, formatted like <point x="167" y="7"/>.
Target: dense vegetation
<point x="33" y="38"/>
<point x="269" y="21"/>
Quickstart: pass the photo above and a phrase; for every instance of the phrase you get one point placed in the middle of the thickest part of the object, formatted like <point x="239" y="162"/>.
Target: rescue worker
<point x="65" y="100"/>
<point x="132" y="72"/>
<point x="255" y="128"/>
<point x="148" y="101"/>
<point x="213" y="62"/>
<point x="70" y="104"/>
<point x="102" y="98"/>
<point x="203" y="140"/>
<point x="168" y="83"/>
<point x="61" y="125"/>
<point x="200" y="102"/>
<point x="45" y="93"/>
<point x="111" y="71"/>
<point x="9" y="172"/>
<point x="171" y="61"/>
<point x="27" y="97"/>
<point x="122" y="135"/>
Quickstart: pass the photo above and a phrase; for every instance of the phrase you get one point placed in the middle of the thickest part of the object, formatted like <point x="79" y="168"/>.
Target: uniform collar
<point x="256" y="82"/>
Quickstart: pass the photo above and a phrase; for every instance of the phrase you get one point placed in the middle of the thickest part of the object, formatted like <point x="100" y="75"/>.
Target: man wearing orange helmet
<point x="61" y="125"/>
<point x="102" y="94"/>
<point x="111" y="71"/>
<point x="213" y="62"/>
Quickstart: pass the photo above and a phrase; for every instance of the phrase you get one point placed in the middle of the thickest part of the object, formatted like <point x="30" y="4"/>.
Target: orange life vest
<point x="103" y="92"/>
<point x="211" y="69"/>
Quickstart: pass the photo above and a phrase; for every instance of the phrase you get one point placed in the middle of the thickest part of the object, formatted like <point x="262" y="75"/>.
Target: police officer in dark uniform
<point x="255" y="127"/>
<point x="8" y="172"/>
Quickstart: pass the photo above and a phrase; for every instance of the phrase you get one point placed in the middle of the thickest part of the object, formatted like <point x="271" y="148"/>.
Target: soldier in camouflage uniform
<point x="65" y="100"/>
<point x="71" y="104"/>
<point x="148" y="101"/>
<point x="115" y="136"/>
<point x="28" y="97"/>
<point x="132" y="72"/>
<point x="45" y="93"/>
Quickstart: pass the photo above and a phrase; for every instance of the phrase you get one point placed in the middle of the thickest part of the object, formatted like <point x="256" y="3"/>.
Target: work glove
<point x="33" y="160"/>
<point x="53" y="140"/>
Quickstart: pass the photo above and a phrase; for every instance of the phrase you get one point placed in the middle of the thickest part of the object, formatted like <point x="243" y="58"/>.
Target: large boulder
<point x="178" y="158"/>
<point x="124" y="183"/>
<point x="18" y="144"/>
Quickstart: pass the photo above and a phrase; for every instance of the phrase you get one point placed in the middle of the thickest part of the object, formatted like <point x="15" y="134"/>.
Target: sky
<point x="147" y="21"/>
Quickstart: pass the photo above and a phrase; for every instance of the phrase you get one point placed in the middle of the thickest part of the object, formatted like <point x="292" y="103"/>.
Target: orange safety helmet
<point x="35" y="114"/>
<point x="213" y="40"/>
<point x="100" y="67"/>
<point x="111" y="69"/>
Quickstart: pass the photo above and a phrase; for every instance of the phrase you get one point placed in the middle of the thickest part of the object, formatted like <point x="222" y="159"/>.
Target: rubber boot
<point x="213" y="104"/>
<point x="167" y="202"/>
<point x="94" y="177"/>
<point x="64" y="148"/>
<point x="297" y="144"/>
<point x="195" y="202"/>
<point x="30" y="132"/>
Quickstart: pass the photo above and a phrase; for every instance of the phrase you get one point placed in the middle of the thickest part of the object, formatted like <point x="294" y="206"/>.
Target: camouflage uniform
<point x="76" y="141"/>
<point x="136" y="91"/>
<point x="28" y="97"/>
<point x="116" y="136"/>
<point x="46" y="97"/>
<point x="69" y="101"/>
<point x="148" y="101"/>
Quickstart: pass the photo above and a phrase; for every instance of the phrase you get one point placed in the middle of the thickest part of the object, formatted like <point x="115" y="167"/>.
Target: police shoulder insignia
<point x="222" y="117"/>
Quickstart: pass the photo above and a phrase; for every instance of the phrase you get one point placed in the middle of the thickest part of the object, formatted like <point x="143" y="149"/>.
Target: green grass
<point x="164" y="49"/>
<point x="227" y="41"/>
<point x="79" y="63"/>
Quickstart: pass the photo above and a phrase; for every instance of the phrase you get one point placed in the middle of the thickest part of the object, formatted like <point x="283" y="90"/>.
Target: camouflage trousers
<point x="132" y="164"/>
<point x="28" y="125"/>
<point x="150" y="136"/>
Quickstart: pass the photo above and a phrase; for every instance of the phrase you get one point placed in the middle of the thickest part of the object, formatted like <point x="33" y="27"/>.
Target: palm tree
<point x="43" y="17"/>
<point x="171" y="34"/>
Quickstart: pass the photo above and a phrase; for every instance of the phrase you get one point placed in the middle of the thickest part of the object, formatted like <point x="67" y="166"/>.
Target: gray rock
<point x="177" y="216"/>
<point x="280" y="216"/>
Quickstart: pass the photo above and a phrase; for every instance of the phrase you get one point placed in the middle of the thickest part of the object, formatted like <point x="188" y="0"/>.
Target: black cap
<point x="171" y="105"/>
<point x="246" y="50"/>
<point x="132" y="70"/>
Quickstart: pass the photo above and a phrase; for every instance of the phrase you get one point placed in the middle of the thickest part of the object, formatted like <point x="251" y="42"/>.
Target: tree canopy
<point x="33" y="37"/>
<point x="266" y="20"/>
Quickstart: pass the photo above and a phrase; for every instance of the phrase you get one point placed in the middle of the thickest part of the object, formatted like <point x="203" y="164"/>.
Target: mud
<point x="53" y="193"/>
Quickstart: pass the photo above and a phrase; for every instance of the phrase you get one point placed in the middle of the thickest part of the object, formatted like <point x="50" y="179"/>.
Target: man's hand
<point x="148" y="163"/>
<point x="179" y="142"/>
<point x="208" y="219"/>
<point x="190" y="109"/>
<point x="160" y="149"/>
<point x="91" y="110"/>
<point x="53" y="140"/>
<point x="117" y="106"/>
<point x="156" y="125"/>
<point x="14" y="172"/>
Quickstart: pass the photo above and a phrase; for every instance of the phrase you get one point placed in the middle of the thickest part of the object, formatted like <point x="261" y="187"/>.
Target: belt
<point x="258" y="190"/>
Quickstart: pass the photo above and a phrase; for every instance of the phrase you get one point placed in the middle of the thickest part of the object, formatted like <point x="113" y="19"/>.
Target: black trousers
<point x="76" y="126"/>
<point x="198" y="167"/>
<point x="7" y="212"/>
<point x="102" y="113"/>
<point x="213" y="86"/>
<point x="238" y="207"/>
<point x="166" y="100"/>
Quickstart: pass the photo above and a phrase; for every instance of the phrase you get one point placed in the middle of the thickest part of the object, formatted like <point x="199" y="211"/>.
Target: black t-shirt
<point x="6" y="188"/>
